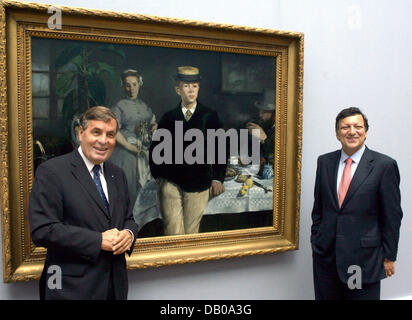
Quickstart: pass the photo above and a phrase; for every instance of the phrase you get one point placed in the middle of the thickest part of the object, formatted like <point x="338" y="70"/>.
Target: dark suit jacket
<point x="67" y="216"/>
<point x="189" y="177"/>
<point x="365" y="230"/>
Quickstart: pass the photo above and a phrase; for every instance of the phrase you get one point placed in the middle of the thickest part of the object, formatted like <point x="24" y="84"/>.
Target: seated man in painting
<point x="266" y="127"/>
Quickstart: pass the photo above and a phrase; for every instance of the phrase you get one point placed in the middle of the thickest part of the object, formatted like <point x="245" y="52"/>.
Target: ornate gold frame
<point x="22" y="261"/>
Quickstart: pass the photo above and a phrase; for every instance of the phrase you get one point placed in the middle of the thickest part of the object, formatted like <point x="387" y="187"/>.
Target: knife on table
<point x="262" y="186"/>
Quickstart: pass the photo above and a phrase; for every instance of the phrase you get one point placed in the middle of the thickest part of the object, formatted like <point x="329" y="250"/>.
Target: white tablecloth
<point x="147" y="207"/>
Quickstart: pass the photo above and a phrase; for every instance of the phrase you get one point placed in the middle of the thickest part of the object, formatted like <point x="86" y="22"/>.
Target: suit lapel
<point x="198" y="112"/>
<point x="333" y="166"/>
<point x="111" y="187"/>
<point x="80" y="172"/>
<point x="365" y="166"/>
<point x="178" y="114"/>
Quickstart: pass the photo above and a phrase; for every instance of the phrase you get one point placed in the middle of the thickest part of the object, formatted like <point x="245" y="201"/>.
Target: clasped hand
<point x="116" y="241"/>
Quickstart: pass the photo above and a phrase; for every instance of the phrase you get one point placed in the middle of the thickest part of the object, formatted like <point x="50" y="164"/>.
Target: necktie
<point x="345" y="181"/>
<point x="98" y="183"/>
<point x="188" y="115"/>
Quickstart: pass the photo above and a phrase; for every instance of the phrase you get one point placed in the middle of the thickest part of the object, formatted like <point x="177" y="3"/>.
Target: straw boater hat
<point x="268" y="101"/>
<point x="188" y="74"/>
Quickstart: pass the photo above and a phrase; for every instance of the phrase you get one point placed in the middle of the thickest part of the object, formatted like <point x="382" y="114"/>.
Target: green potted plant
<point x="85" y="68"/>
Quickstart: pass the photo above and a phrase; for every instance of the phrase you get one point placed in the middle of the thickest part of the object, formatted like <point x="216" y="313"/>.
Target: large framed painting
<point x="56" y="62"/>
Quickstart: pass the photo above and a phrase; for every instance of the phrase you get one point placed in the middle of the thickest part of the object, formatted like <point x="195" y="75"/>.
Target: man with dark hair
<point x="350" y="112"/>
<point x="185" y="188"/>
<point x="79" y="209"/>
<point x="356" y="215"/>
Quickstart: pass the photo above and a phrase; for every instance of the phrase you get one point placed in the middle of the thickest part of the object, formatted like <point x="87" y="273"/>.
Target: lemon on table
<point x="249" y="183"/>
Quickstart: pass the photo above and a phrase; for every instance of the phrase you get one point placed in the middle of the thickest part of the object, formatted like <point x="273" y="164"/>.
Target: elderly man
<point x="79" y="209"/>
<point x="185" y="188"/>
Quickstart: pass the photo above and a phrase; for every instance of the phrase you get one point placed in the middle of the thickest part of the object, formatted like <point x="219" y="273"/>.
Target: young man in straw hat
<point x="185" y="187"/>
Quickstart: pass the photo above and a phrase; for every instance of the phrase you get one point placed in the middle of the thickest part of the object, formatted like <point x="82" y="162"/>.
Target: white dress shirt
<point x="192" y="110"/>
<point x="356" y="157"/>
<point x="90" y="166"/>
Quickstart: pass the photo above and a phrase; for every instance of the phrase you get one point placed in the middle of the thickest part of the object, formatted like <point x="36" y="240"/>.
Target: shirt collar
<point x="192" y="110"/>
<point x="88" y="163"/>
<point x="355" y="157"/>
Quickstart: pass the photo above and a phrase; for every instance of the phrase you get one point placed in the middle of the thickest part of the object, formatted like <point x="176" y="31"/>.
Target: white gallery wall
<point x="357" y="53"/>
